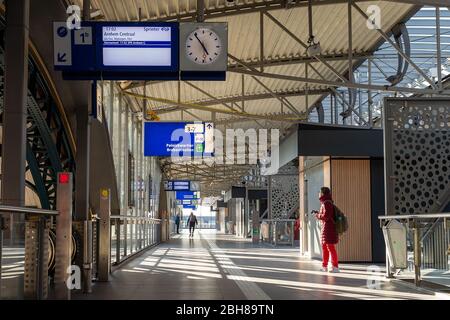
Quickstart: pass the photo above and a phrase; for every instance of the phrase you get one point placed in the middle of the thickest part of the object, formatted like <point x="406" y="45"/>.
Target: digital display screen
<point x="137" y="46"/>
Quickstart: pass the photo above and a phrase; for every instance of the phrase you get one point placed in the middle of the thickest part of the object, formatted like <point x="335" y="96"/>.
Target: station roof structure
<point x="268" y="63"/>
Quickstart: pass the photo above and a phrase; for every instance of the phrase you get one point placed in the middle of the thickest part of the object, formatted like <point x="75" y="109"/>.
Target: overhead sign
<point x="193" y="202"/>
<point x="136" y="46"/>
<point x="178" y="139"/>
<point x="62" y="44"/>
<point x="117" y="50"/>
<point x="105" y="50"/>
<point x="187" y="195"/>
<point x="181" y="185"/>
<point x="177" y="185"/>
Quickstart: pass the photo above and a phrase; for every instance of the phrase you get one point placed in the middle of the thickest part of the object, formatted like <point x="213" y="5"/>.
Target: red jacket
<point x="297" y="229"/>
<point x="326" y="216"/>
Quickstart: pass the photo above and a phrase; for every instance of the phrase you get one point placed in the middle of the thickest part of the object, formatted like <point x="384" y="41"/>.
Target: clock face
<point x="203" y="46"/>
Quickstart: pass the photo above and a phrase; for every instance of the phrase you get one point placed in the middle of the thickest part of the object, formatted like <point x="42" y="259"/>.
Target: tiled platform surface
<point x="217" y="266"/>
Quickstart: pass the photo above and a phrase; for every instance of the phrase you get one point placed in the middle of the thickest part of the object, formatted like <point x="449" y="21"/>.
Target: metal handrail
<point x="431" y="229"/>
<point x="41" y="238"/>
<point x="416" y="216"/>
<point x="122" y="217"/>
<point x="27" y="210"/>
<point x="148" y="236"/>
<point x="418" y="239"/>
<point x="274" y="222"/>
<point x="278" y="220"/>
<point x="265" y="213"/>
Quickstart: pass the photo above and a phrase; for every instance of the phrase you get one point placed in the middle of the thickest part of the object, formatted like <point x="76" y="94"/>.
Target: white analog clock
<point x="203" y="46"/>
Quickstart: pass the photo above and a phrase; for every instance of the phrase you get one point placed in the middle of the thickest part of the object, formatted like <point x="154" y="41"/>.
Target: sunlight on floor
<point x="251" y="267"/>
<point x="333" y="289"/>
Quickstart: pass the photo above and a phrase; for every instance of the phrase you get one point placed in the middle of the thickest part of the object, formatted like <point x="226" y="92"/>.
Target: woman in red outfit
<point x="329" y="236"/>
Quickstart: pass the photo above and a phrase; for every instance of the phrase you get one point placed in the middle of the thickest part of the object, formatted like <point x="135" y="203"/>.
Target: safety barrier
<point x="426" y="244"/>
<point x="278" y="231"/>
<point x="26" y="259"/>
<point x="132" y="234"/>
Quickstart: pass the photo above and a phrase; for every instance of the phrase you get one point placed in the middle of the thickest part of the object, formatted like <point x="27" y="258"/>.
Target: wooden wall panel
<point x="326" y="172"/>
<point x="302" y="205"/>
<point x="350" y="185"/>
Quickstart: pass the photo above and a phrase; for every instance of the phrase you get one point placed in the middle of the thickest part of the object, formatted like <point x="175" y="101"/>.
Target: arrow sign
<point x="209" y="137"/>
<point x="62" y="45"/>
<point x="61" y="57"/>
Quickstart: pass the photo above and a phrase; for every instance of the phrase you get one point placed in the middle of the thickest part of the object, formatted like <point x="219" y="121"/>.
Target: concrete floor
<point x="217" y="266"/>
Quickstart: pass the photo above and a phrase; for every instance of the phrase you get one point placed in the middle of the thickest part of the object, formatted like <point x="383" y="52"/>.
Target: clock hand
<point x="201" y="44"/>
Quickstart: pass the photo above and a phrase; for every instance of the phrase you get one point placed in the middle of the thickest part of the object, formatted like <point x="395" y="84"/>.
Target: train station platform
<point x="274" y="127"/>
<point x="215" y="266"/>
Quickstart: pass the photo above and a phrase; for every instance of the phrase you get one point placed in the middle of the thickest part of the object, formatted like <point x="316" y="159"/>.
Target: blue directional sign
<point x="193" y="202"/>
<point x="187" y="195"/>
<point x="177" y="185"/>
<point x="188" y="199"/>
<point x="178" y="139"/>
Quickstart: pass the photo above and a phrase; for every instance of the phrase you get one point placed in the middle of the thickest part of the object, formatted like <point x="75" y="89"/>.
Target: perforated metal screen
<point x="417" y="155"/>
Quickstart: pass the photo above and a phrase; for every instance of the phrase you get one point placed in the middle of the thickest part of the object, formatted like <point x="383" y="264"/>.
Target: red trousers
<point x="327" y="250"/>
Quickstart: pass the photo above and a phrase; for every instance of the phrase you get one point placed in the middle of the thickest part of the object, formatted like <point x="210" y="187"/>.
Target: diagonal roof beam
<point x="342" y="97"/>
<point x="384" y="88"/>
<point x="304" y="45"/>
<point x="283" y="100"/>
<point x="397" y="48"/>
<point x="258" y="96"/>
<point x="186" y="105"/>
<point x="270" y="62"/>
<point x="209" y="95"/>
<point x="269" y="5"/>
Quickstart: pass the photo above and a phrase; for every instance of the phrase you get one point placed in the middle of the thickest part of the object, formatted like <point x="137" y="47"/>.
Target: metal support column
<point x="200" y="10"/>
<point x="417" y="253"/>
<point x="246" y="213"/>
<point x="370" y="102"/>
<point x="121" y="154"/>
<point x="438" y="47"/>
<point x="82" y="178"/>
<point x="63" y="246"/>
<point x="269" y="197"/>
<point x="255" y="223"/>
<point x="261" y="40"/>
<point x="111" y="110"/>
<point x="331" y="109"/>
<point x="306" y="88"/>
<point x="14" y="133"/>
<point x="117" y="226"/>
<point x="124" y="208"/>
<point x="104" y="232"/>
<point x="350" y="42"/>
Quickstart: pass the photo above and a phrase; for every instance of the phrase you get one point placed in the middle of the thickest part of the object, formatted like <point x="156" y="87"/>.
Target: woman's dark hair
<point x="325" y="190"/>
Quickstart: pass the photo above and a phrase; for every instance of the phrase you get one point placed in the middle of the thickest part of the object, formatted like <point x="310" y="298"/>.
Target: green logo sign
<point x="199" y="147"/>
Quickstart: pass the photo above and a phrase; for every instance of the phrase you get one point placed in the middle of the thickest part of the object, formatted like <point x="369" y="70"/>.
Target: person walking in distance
<point x="192" y="221"/>
<point x="177" y="222"/>
<point x="329" y="235"/>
